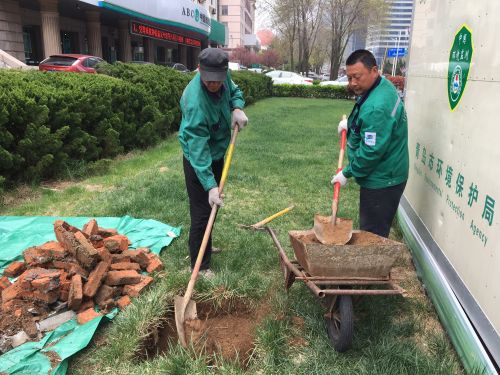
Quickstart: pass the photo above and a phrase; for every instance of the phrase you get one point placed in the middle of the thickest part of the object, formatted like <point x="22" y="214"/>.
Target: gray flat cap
<point x="213" y="64"/>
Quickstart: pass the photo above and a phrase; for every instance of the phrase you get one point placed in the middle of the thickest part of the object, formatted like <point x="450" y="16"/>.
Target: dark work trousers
<point x="199" y="210"/>
<point x="377" y="208"/>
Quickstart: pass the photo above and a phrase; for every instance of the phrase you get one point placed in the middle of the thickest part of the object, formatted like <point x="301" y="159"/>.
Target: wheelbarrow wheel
<point x="340" y="324"/>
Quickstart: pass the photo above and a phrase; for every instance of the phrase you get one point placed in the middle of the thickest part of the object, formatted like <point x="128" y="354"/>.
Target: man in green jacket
<point x="377" y="144"/>
<point x="211" y="106"/>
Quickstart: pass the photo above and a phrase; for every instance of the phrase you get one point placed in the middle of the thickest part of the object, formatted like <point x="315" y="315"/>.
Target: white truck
<point x="449" y="213"/>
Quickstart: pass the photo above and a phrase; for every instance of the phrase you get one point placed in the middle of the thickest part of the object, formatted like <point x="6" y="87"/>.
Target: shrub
<point x="314" y="91"/>
<point x="54" y="124"/>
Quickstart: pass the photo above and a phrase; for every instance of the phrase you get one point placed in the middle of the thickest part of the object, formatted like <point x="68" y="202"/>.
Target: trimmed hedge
<point x="312" y="91"/>
<point x="255" y="86"/>
<point x="55" y="123"/>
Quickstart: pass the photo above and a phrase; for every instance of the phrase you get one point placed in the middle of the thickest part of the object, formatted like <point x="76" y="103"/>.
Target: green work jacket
<point x="377" y="138"/>
<point x="205" y="130"/>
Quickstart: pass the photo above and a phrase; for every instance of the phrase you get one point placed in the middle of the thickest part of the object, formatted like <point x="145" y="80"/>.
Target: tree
<point x="309" y="14"/>
<point x="271" y="58"/>
<point x="244" y="56"/>
<point x="284" y="19"/>
<point x="343" y="18"/>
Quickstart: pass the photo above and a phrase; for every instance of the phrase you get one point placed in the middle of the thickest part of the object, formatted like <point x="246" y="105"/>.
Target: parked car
<point x="234" y="66"/>
<point x="70" y="63"/>
<point x="255" y="70"/>
<point x="178" y="66"/>
<point x="140" y="62"/>
<point x="341" y="81"/>
<point x="280" y="77"/>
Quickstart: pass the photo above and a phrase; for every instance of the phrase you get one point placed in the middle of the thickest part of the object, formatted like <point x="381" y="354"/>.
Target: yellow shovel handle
<point x="272" y="217"/>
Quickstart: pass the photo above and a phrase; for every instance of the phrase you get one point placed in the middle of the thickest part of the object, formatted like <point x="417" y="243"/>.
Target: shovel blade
<point x="184" y="310"/>
<point x="332" y="234"/>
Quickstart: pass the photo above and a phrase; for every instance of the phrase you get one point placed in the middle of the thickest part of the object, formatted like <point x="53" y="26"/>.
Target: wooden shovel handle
<point x="211" y="220"/>
<point x="336" y="187"/>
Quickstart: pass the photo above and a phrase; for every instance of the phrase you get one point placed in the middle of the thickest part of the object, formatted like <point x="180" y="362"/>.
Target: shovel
<point x="332" y="230"/>
<point x="184" y="307"/>
<point x="260" y="224"/>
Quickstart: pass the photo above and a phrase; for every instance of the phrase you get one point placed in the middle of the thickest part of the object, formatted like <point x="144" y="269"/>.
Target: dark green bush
<point x="312" y="91"/>
<point x="54" y="124"/>
<point x="255" y="86"/>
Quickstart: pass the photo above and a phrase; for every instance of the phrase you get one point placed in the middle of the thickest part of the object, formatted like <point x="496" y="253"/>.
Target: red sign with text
<point x="156" y="33"/>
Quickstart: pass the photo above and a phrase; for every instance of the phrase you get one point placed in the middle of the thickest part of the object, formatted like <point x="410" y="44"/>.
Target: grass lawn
<point x="286" y="156"/>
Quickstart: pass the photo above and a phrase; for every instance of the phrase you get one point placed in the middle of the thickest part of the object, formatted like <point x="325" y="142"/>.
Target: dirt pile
<point x="61" y="279"/>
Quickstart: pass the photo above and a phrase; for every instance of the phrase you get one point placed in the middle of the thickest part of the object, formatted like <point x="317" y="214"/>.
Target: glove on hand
<point x="214" y="197"/>
<point x="239" y="117"/>
<point x="340" y="178"/>
<point x="342" y="125"/>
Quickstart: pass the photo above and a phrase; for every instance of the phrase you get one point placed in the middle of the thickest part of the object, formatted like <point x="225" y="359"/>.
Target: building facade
<point x="394" y="31"/>
<point x="158" y="31"/>
<point x="239" y="17"/>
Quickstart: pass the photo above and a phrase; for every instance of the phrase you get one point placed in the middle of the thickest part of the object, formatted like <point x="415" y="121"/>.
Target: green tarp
<point x="18" y="233"/>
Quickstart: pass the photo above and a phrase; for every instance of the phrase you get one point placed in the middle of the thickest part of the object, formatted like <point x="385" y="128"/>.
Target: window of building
<point x="224" y="10"/>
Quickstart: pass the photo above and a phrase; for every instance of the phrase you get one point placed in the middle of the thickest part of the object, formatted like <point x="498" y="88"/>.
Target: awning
<point x="217" y="33"/>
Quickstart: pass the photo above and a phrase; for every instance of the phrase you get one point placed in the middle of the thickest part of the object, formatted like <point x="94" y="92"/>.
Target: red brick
<point x="96" y="241"/>
<point x="65" y="281"/>
<point x="14" y="269"/>
<point x="46" y="297"/>
<point x="28" y="276"/>
<point x="104" y="293"/>
<point x="86" y="254"/>
<point x="54" y="249"/>
<point x="86" y="304"/>
<point x="116" y="243"/>
<point x="87" y="316"/>
<point x="64" y="295"/>
<point x="123" y="302"/>
<point x="95" y="279"/>
<point x="125" y="266"/>
<point x="135" y="290"/>
<point x="104" y="254"/>
<point x="8" y="305"/>
<point x="122" y="277"/>
<point x="75" y="294"/>
<point x="35" y="256"/>
<point x="91" y="228"/>
<point x="13" y="291"/>
<point x="107" y="305"/>
<point x="71" y="268"/>
<point x="138" y="256"/>
<point x="65" y="236"/>
<point x="106" y="232"/>
<point x="118" y="258"/>
<point x="4" y="283"/>
<point x="155" y="265"/>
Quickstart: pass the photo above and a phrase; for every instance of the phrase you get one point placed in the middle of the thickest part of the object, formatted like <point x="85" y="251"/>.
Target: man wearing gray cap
<point x="211" y="106"/>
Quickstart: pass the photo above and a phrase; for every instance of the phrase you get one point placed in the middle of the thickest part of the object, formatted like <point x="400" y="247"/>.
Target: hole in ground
<point x="227" y="331"/>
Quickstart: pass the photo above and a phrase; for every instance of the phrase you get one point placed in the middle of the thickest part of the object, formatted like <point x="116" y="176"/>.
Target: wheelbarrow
<point x="336" y="274"/>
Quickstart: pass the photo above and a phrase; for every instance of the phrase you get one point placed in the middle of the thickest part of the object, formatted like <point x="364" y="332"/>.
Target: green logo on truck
<point x="458" y="68"/>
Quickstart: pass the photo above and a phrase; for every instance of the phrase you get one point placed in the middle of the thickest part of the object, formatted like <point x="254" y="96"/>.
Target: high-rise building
<point x="393" y="32"/>
<point x="239" y="17"/>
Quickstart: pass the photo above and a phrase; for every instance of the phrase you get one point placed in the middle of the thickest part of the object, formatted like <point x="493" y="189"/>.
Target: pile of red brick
<point x="83" y="268"/>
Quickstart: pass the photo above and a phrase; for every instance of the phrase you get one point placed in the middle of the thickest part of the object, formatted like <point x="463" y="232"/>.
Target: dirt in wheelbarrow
<point x="227" y="331"/>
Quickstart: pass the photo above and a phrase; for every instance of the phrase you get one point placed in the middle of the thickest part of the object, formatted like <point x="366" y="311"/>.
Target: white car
<point x="234" y="66"/>
<point x="281" y="77"/>
<point x="341" y="81"/>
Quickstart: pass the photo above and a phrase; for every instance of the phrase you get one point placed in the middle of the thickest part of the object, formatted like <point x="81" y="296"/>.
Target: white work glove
<point x="342" y="125"/>
<point x="239" y="117"/>
<point x="214" y="197"/>
<point x="340" y="178"/>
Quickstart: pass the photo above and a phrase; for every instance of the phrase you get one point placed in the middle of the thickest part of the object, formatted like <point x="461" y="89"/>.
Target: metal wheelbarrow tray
<point x="336" y="274"/>
<point x="365" y="255"/>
